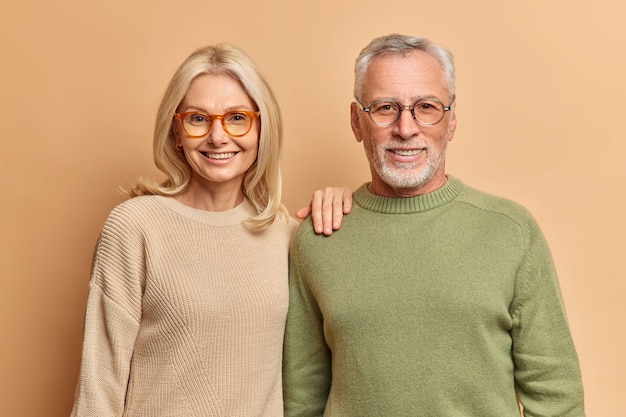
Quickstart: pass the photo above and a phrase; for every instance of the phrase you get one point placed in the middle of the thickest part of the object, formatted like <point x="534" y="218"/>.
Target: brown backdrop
<point x="540" y="102"/>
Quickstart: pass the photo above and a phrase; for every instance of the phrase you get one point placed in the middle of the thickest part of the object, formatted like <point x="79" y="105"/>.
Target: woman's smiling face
<point x="218" y="161"/>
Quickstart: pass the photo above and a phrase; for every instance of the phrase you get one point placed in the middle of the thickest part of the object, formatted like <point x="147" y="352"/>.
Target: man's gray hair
<point x="402" y="44"/>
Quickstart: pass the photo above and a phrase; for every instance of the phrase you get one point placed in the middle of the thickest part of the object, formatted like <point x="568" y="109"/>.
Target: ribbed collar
<point x="232" y="217"/>
<point x="403" y="205"/>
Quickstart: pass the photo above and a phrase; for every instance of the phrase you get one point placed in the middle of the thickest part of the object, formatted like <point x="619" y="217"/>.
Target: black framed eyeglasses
<point x="387" y="111"/>
<point x="197" y="124"/>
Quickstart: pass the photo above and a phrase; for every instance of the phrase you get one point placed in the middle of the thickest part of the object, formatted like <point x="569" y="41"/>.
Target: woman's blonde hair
<point x="262" y="183"/>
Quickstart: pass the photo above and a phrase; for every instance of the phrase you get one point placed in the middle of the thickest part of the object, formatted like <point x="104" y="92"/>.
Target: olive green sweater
<point x="440" y="305"/>
<point x="185" y="314"/>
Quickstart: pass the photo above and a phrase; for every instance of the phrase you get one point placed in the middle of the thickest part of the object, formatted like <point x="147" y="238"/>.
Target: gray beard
<point x="403" y="176"/>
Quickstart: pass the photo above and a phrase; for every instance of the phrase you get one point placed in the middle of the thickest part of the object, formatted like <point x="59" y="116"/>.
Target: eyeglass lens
<point x="426" y="112"/>
<point x="235" y="123"/>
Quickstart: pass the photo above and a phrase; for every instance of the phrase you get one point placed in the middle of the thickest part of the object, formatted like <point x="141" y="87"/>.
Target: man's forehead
<point x="405" y="75"/>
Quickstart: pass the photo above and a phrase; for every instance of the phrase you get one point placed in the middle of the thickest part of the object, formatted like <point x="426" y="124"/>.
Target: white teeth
<point x="408" y="152"/>
<point x="220" y="155"/>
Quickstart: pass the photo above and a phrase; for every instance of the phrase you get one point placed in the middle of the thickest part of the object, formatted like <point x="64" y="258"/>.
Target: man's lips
<point x="408" y="156"/>
<point x="406" y="152"/>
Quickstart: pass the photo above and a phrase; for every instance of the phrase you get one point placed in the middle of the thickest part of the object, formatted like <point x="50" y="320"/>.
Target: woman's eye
<point x="236" y="117"/>
<point x="198" y="118"/>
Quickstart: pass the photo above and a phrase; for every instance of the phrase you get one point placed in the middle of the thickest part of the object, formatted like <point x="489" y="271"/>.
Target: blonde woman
<point x="188" y="293"/>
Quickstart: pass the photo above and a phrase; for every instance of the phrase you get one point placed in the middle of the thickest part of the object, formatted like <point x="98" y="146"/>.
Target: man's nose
<point x="407" y="125"/>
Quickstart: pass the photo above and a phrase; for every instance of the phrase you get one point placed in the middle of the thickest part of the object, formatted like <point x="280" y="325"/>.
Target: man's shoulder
<point x="304" y="231"/>
<point x="306" y="237"/>
<point x="495" y="204"/>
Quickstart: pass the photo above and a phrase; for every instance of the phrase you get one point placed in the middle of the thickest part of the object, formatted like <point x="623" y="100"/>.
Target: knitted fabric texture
<point x="441" y="305"/>
<point x="185" y="314"/>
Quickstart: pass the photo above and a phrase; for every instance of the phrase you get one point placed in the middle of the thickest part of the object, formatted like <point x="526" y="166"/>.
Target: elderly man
<point x="434" y="299"/>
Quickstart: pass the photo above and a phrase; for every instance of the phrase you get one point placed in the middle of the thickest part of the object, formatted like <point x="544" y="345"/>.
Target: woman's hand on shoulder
<point x="327" y="208"/>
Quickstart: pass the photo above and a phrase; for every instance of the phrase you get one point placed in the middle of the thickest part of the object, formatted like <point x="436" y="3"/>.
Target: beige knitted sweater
<point x="185" y="314"/>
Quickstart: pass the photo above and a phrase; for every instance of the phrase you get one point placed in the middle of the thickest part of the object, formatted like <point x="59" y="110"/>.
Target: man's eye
<point x="385" y="108"/>
<point x="427" y="106"/>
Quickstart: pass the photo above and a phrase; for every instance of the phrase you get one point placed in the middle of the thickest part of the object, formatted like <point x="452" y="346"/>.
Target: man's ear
<point x="355" y="121"/>
<point x="452" y="126"/>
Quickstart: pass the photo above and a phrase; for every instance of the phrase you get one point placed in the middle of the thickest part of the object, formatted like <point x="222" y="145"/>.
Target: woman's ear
<point x="175" y="135"/>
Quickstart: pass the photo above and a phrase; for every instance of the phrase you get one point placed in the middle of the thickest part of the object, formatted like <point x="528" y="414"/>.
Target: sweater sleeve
<point x="307" y="358"/>
<point x="111" y="320"/>
<point x="547" y="374"/>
